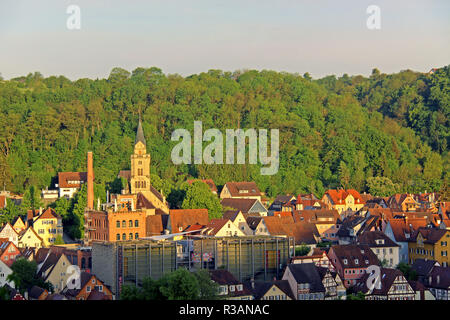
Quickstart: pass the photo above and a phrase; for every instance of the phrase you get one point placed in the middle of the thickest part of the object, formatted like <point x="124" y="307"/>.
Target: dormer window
<point x="345" y="261"/>
<point x="356" y="261"/>
<point x="367" y="261"/>
<point x="232" y="288"/>
<point x="379" y="241"/>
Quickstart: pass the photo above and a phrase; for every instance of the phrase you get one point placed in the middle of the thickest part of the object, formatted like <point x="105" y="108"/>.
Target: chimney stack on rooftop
<point x="90" y="181"/>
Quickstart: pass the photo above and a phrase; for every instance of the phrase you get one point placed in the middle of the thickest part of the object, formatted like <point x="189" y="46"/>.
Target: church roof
<point x="140" y="134"/>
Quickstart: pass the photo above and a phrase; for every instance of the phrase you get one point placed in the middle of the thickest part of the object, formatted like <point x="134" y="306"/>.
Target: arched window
<point x="124" y="223"/>
<point x="118" y="224"/>
<point x="136" y="235"/>
<point x="135" y="184"/>
<point x="118" y="236"/>
<point x="130" y="223"/>
<point x="131" y="236"/>
<point x="124" y="236"/>
<point x="145" y="184"/>
<point x="90" y="262"/>
<point x="136" y="223"/>
<point x="83" y="263"/>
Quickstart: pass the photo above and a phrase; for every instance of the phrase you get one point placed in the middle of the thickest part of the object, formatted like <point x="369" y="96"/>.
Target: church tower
<point x="140" y="164"/>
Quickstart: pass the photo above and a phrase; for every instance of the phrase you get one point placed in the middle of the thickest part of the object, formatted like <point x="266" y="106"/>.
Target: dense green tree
<point x="333" y="131"/>
<point x="24" y="276"/>
<point x="199" y="195"/>
<point x="180" y="284"/>
<point x="381" y="186"/>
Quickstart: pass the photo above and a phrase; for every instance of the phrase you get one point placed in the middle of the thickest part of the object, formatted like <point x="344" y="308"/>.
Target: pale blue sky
<point x="191" y="36"/>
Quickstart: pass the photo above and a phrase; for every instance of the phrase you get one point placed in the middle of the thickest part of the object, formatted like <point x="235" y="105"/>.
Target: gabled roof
<point x="262" y="287"/>
<point x="243" y="205"/>
<point x="387" y="279"/>
<point x="30" y="229"/>
<point x="223" y="277"/>
<point x="307" y="273"/>
<point x="370" y="238"/>
<point x="49" y="214"/>
<point x="440" y="278"/>
<point x="351" y="252"/>
<point x="253" y="222"/>
<point x="402" y="227"/>
<point x="67" y="179"/>
<point x="35" y="292"/>
<point x="215" y="225"/>
<point x="231" y="214"/>
<point x="430" y="235"/>
<point x="301" y="231"/>
<point x="49" y="264"/>
<point x="423" y="267"/>
<point x="235" y="187"/>
<point x="8" y="225"/>
<point x="339" y="196"/>
<point x="97" y="295"/>
<point x="183" y="218"/>
<point x="143" y="203"/>
<point x="316" y="216"/>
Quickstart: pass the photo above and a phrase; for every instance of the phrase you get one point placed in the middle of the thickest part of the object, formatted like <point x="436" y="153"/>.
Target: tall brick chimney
<point x="90" y="181"/>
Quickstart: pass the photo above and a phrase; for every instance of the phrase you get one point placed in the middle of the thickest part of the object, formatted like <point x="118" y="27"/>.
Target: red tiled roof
<point x="215" y="225"/>
<point x="183" y="218"/>
<point x="339" y="196"/>
<point x="65" y="179"/>
<point x="235" y="187"/>
<point x="154" y="225"/>
<point x="49" y="214"/>
<point x="244" y="205"/>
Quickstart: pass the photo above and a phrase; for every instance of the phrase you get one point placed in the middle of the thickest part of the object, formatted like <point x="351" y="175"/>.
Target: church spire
<point x="140" y="133"/>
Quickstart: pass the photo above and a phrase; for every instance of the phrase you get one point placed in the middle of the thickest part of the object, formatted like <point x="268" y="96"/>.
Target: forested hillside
<point x="333" y="131"/>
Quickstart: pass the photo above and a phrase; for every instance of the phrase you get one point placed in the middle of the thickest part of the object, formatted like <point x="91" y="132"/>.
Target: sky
<point x="187" y="37"/>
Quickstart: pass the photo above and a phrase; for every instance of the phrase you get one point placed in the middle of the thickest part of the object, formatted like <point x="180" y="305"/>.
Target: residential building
<point x="400" y="231"/>
<point x="8" y="252"/>
<point x="8" y="232"/>
<point x="239" y="220"/>
<point x="246" y="206"/>
<point x="229" y="287"/>
<point x="257" y="225"/>
<point x="305" y="281"/>
<point x="48" y="226"/>
<point x="30" y="239"/>
<point x="386" y="250"/>
<point x="91" y="288"/>
<point x="392" y="286"/>
<point x="430" y="243"/>
<point x="352" y="261"/>
<point x="439" y="283"/>
<point x="343" y="200"/>
<point x="423" y="269"/>
<point x="55" y="269"/>
<point x="5" y="271"/>
<point x="222" y="228"/>
<point x="70" y="183"/>
<point x="274" y="290"/>
<point x="241" y="190"/>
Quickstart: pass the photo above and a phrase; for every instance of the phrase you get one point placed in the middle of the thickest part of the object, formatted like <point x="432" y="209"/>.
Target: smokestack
<point x="90" y="181"/>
